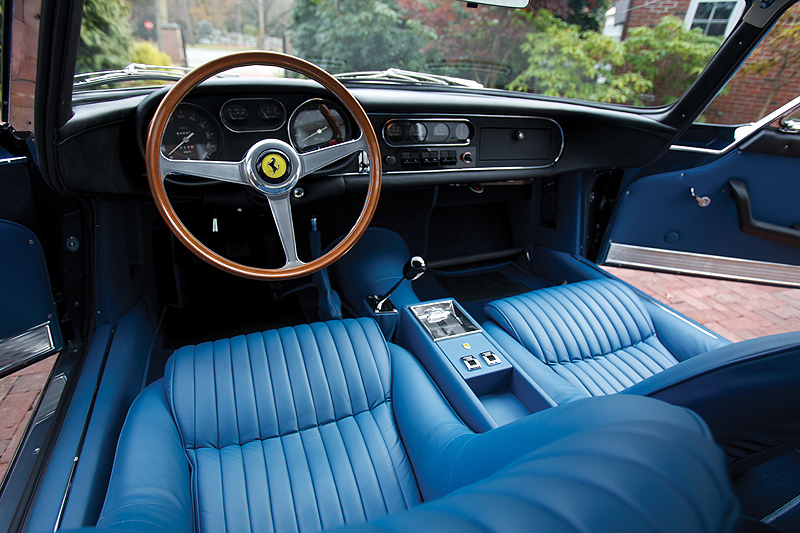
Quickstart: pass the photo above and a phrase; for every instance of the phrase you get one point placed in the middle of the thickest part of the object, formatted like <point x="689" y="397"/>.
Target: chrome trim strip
<point x="35" y="341"/>
<point x="743" y="133"/>
<point x="703" y="265"/>
<point x="12" y="160"/>
<point x="446" y="170"/>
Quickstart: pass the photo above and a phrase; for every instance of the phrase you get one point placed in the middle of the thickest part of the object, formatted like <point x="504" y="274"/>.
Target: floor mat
<point x="474" y="288"/>
<point x="484" y="286"/>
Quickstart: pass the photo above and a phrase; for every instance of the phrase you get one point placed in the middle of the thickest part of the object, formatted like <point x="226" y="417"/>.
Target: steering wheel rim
<point x="252" y="168"/>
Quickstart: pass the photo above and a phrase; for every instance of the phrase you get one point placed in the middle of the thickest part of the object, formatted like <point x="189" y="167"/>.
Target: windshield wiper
<point x="404" y="77"/>
<point x="133" y="72"/>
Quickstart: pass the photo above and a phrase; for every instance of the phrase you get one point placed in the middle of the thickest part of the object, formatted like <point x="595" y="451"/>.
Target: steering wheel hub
<point x="272" y="167"/>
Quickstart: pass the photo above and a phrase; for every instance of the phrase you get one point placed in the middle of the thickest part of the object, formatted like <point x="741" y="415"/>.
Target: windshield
<point x="634" y="52"/>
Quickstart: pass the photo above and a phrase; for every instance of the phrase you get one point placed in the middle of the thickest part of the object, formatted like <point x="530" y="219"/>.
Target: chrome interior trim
<point x="703" y="265"/>
<point x="32" y="343"/>
<point x="12" y="160"/>
<point x="744" y="132"/>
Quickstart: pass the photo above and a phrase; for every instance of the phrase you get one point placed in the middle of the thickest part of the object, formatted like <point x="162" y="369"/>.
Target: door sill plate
<point x="715" y="266"/>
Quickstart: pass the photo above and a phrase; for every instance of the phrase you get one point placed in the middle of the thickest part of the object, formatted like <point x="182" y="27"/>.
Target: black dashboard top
<point x="426" y="135"/>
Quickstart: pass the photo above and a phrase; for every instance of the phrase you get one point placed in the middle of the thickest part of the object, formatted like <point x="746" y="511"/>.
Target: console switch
<point x="490" y="358"/>
<point x="471" y="362"/>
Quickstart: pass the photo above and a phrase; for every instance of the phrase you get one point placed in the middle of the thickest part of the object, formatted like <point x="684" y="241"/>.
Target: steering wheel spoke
<point x="281" y="209"/>
<point x="319" y="159"/>
<point x="226" y="171"/>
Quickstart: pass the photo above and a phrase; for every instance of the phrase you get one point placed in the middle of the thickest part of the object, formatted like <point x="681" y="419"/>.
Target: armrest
<point x="746" y="392"/>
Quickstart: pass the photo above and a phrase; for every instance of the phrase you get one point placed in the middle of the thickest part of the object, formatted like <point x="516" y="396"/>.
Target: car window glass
<point x="768" y="79"/>
<point x="639" y="52"/>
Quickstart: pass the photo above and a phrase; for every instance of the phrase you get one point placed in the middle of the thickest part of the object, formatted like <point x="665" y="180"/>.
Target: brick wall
<point x="650" y="13"/>
<point x="748" y="97"/>
<point x="23" y="64"/>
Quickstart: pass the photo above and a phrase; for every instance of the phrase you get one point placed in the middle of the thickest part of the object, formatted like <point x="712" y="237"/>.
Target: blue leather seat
<point x="326" y="425"/>
<point x="599" y="337"/>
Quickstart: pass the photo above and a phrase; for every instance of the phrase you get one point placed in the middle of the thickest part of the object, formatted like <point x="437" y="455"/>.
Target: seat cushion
<point x="290" y="429"/>
<point x="596" y="335"/>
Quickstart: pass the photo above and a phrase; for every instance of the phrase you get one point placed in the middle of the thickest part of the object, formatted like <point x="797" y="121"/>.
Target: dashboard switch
<point x="490" y="358"/>
<point x="448" y="157"/>
<point x="471" y="362"/>
<point x="430" y="158"/>
<point x="410" y="159"/>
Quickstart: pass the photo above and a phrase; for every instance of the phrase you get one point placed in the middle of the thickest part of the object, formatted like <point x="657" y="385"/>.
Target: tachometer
<point x="317" y="123"/>
<point x="191" y="133"/>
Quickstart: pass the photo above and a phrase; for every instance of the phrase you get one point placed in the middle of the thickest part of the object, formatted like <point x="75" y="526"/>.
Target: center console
<point x="476" y="377"/>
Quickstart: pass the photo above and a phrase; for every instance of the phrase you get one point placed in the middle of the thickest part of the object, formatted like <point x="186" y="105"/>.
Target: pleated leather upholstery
<point x="291" y="429"/>
<point x="595" y="334"/>
<point x="224" y="443"/>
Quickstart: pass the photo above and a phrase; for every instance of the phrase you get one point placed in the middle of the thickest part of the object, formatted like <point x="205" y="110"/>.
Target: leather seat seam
<point x="291" y="432"/>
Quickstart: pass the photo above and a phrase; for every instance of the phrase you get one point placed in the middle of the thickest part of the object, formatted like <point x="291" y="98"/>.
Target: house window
<point x="715" y="18"/>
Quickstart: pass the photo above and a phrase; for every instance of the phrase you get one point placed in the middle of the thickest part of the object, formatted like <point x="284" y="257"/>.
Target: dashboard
<point x="427" y="136"/>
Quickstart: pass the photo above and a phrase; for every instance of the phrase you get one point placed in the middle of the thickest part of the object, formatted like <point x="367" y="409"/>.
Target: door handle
<point x="789" y="236"/>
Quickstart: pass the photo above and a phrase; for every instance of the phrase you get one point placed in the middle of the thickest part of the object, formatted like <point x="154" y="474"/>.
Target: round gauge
<point x="394" y="132"/>
<point x="418" y="131"/>
<point x="440" y="132"/>
<point x="271" y="114"/>
<point x="462" y="132"/>
<point x="190" y="134"/>
<point x="316" y="124"/>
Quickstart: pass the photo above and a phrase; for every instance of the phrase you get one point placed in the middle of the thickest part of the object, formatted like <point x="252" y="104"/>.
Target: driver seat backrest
<point x="290" y="429"/>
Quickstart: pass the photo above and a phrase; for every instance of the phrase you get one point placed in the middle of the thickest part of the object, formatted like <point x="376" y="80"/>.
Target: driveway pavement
<point x="735" y="310"/>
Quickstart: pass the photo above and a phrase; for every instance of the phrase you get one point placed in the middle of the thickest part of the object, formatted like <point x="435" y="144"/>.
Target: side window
<point x="769" y="78"/>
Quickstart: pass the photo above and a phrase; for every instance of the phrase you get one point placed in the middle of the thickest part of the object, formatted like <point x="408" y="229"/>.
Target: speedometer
<point x="191" y="133"/>
<point x="316" y="124"/>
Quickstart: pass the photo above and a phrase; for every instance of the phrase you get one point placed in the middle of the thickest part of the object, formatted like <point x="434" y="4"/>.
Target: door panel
<point x="29" y="328"/>
<point x="688" y="220"/>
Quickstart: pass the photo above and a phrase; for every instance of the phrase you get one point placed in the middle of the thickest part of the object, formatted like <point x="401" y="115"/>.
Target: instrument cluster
<point x="203" y="130"/>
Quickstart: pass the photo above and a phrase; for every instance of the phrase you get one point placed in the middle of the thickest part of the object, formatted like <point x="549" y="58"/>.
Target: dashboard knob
<point x="519" y="135"/>
<point x="466" y="157"/>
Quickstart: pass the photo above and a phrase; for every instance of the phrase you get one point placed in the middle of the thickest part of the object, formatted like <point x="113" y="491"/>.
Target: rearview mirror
<point x="515" y="4"/>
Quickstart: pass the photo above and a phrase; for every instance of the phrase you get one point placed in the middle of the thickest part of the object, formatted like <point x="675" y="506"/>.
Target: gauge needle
<point x="319" y="130"/>
<point x="184" y="141"/>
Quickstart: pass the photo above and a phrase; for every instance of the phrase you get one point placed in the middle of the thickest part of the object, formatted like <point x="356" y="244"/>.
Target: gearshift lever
<point x="412" y="270"/>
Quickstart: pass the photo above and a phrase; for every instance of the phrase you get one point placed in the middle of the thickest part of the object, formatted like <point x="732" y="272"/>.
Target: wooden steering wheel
<point x="271" y="166"/>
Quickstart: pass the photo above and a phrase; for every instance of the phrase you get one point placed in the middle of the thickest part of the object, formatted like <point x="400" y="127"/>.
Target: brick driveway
<point x="737" y="311"/>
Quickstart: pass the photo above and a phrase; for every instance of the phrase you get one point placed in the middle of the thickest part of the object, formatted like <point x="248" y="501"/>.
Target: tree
<point x="670" y="56"/>
<point x="106" y="36"/>
<point x="481" y="43"/>
<point x="778" y="59"/>
<point x="566" y="61"/>
<point x="477" y="43"/>
<point x="654" y="65"/>
<point x="355" y="35"/>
